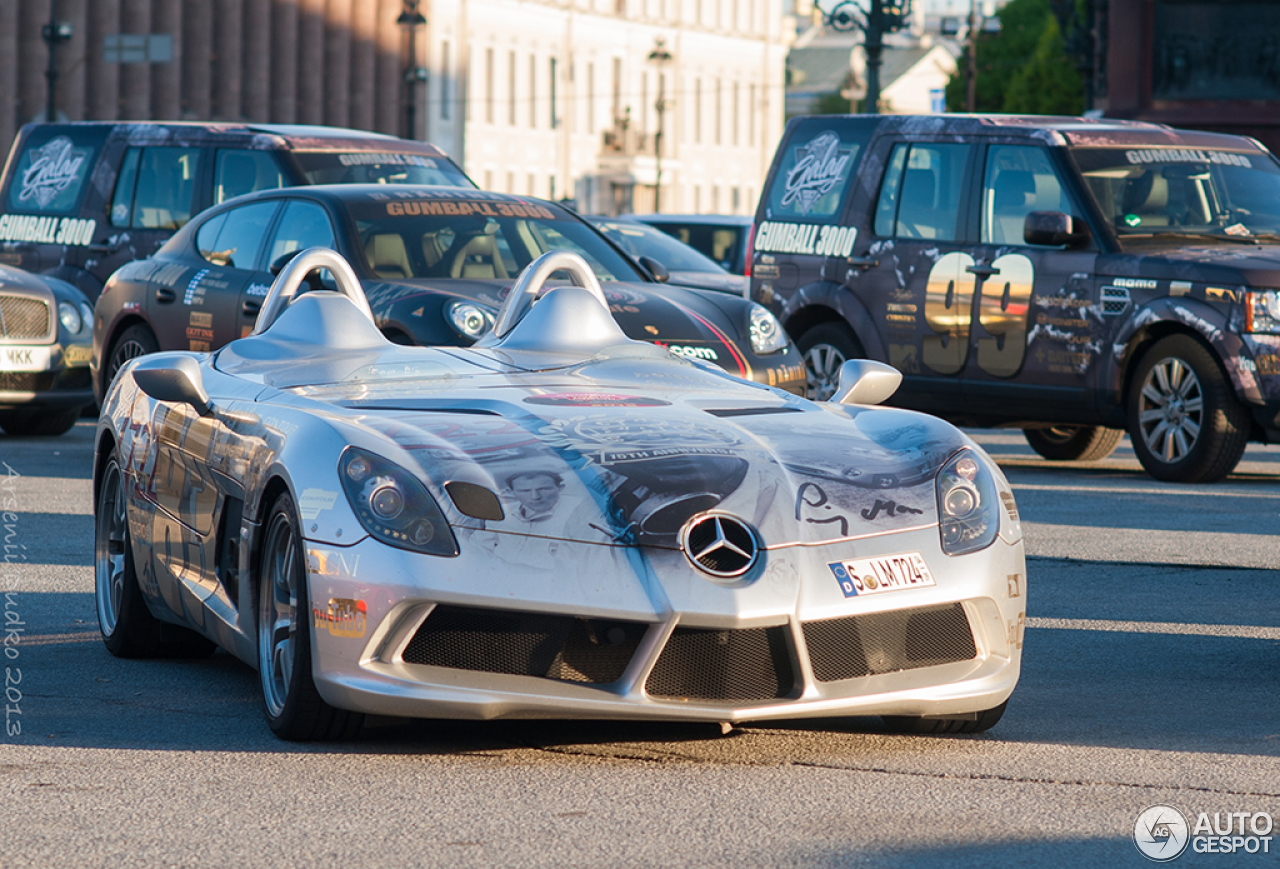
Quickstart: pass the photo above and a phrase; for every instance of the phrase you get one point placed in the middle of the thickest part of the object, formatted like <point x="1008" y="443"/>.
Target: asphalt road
<point x="1150" y="677"/>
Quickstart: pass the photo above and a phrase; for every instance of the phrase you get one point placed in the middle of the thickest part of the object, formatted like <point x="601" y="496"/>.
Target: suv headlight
<point x="968" y="504"/>
<point x="767" y="334"/>
<point x="393" y="505"/>
<point x="69" y="316"/>
<point x="471" y="320"/>
<point x="1262" y="311"/>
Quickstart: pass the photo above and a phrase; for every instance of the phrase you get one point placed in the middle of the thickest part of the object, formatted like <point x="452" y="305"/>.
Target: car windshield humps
<point x="370" y="167"/>
<point x="476" y="240"/>
<point x="1171" y="194"/>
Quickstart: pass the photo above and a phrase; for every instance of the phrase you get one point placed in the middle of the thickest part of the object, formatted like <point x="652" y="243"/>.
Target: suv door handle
<point x="862" y="262"/>
<point x="982" y="271"/>
<point x="107" y="249"/>
<point x="164" y="295"/>
<point x="251" y="308"/>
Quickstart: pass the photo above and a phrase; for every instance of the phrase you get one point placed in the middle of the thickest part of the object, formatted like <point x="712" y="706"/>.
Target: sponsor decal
<point x="879" y="575"/>
<point x="195" y="293"/>
<point x="47" y="230"/>
<point x="52" y="169"/>
<point x="1137" y="283"/>
<point x="201" y="318"/>
<point x="198" y="346"/>
<point x="343" y="617"/>
<point x="594" y="399"/>
<point x="1187" y="155"/>
<point x="1220" y="294"/>
<point x="313" y="501"/>
<point x="1268" y="364"/>
<point x="1016" y="630"/>
<point x="328" y="562"/>
<point x="77" y="355"/>
<point x="413" y="208"/>
<point x="820" y="166"/>
<point x="385" y="160"/>
<point x="258" y="290"/>
<point x="806" y="238"/>
<point x="693" y="352"/>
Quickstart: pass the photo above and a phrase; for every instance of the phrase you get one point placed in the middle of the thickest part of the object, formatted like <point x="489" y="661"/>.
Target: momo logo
<point x="1161" y="833"/>
<point x="51" y="170"/>
<point x="820" y="166"/>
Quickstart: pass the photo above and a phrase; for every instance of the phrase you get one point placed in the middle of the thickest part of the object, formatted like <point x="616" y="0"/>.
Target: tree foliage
<point x="1024" y="68"/>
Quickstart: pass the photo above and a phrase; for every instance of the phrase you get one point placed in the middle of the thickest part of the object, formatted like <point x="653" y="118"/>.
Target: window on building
<point x="488" y="179"/>
<point x="511" y="182"/>
<point x="719" y="113"/>
<point x="488" y="85"/>
<point x="644" y="101"/>
<point x="615" y="97"/>
<point x="751" y="114"/>
<point x="697" y="111"/>
<point x="511" y="88"/>
<point x="555" y="109"/>
<point x="715" y="198"/>
<point x="533" y="184"/>
<point x="445" y="81"/>
<point x="736" y="195"/>
<point x="591" y="98"/>
<point x="697" y="198"/>
<point x="533" y="90"/>
<point x="737" y="117"/>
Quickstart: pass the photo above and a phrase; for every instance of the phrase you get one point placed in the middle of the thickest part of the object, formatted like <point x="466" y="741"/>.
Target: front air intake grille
<point x="866" y="645"/>
<point x="27" y="381"/>
<point x="697" y="664"/>
<point x="595" y="651"/>
<point x="23" y="318"/>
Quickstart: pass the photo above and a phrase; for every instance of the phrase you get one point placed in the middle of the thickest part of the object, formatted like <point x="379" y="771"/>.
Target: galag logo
<point x="820" y="166"/>
<point x="1161" y="833"/>
<point x="51" y="170"/>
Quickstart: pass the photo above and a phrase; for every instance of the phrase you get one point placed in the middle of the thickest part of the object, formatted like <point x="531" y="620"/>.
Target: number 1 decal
<point x="1004" y="304"/>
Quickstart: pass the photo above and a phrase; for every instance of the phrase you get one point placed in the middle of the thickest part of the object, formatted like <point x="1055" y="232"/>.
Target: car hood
<point x="1224" y="263"/>
<point x="631" y="466"/>
<point x="709" y="281"/>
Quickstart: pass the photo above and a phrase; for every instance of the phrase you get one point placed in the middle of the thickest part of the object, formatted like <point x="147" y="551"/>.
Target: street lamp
<point x="875" y="18"/>
<point x="659" y="57"/>
<point x="411" y="19"/>
<point x="53" y="33"/>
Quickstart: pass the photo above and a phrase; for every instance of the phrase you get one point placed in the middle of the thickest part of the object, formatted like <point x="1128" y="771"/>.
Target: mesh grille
<point x="27" y="381"/>
<point x="21" y="317"/>
<point x="887" y="642"/>
<point x="595" y="651"/>
<point x="753" y="664"/>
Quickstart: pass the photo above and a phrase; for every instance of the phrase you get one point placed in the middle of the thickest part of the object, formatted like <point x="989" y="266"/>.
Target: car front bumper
<point x="44" y="375"/>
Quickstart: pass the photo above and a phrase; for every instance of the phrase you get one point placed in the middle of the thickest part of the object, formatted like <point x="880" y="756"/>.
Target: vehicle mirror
<point x="281" y="261"/>
<point x="655" y="268"/>
<point x="173" y="377"/>
<point x="1053" y="228"/>
<point x="864" y="381"/>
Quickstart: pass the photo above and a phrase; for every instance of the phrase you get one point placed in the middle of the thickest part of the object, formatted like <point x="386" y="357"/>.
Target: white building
<point x="558" y="98"/>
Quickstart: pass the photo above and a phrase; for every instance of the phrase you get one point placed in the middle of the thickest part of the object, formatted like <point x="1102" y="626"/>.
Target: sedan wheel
<point x="133" y="342"/>
<point x="825" y="348"/>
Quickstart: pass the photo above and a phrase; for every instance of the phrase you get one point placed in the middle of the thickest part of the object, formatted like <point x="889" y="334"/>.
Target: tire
<point x="39" y="423"/>
<point x="984" y="721"/>
<point x="129" y="630"/>
<point x="293" y="706"/>
<point x="137" y="340"/>
<point x="825" y="348"/>
<point x="1074" y="443"/>
<point x="1184" y="420"/>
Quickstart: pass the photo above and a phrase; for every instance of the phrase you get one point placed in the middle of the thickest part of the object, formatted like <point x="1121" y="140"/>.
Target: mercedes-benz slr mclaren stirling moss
<point x="556" y="522"/>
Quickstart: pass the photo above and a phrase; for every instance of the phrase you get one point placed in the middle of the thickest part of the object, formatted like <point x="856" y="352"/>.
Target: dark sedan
<point x="684" y="266"/>
<point x="435" y="263"/>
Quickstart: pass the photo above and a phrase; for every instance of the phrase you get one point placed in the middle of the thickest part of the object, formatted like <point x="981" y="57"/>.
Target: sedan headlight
<point x="86" y="314"/>
<point x="1262" y="311"/>
<point x="471" y="320"/>
<point x="767" y="334"/>
<point x="393" y="505"/>
<point x="968" y="505"/>
<point x="70" y="317"/>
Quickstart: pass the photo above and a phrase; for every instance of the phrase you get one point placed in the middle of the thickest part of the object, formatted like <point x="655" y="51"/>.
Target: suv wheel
<point x="137" y="340"/>
<point x="1184" y="420"/>
<point x="1073" y="443"/>
<point x="825" y="348"/>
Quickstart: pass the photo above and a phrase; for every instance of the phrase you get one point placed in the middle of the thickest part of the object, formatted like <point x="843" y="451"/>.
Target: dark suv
<point x="1068" y="276"/>
<point x="79" y="200"/>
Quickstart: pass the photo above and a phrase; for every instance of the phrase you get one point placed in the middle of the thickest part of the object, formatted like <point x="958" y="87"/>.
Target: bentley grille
<point x="23" y="318"/>
<point x="27" y="381"/>
<point x="876" y="643"/>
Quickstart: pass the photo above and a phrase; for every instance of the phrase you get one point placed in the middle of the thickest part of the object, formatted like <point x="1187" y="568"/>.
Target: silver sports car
<point x="556" y="522"/>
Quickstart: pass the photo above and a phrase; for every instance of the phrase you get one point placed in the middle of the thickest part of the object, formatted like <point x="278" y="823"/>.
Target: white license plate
<point x="886" y="573"/>
<point x="24" y="358"/>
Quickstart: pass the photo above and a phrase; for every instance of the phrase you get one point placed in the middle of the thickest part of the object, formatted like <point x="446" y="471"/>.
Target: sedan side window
<point x="923" y="199"/>
<point x="304" y="225"/>
<point x="239" y="237"/>
<point x="1019" y="179"/>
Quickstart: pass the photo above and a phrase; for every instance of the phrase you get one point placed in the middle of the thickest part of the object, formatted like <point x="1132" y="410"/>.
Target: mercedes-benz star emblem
<point x="721" y="545"/>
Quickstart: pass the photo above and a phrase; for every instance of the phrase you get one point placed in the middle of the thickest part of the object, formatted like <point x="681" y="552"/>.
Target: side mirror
<point x="863" y="381"/>
<point x="1054" y="228"/>
<point x="655" y="268"/>
<point x="173" y="377"/>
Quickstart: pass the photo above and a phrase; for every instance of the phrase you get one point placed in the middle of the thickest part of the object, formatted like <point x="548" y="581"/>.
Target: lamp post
<point x="659" y="57"/>
<point x="411" y="19"/>
<point x="876" y="18"/>
<point x="53" y="33"/>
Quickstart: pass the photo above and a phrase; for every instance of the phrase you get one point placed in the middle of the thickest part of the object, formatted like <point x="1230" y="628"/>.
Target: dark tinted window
<point x="640" y="240"/>
<point x="51" y="171"/>
<point x="367" y="167"/>
<point x="927" y="194"/>
<point x="816" y="166"/>
<point x="239" y="236"/>
<point x="122" y="199"/>
<point x="304" y="225"/>
<point x="244" y="171"/>
<point x="166" y="185"/>
<point x="1019" y="179"/>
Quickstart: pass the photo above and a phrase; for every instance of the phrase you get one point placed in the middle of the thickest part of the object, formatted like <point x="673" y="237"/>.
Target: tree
<point x="1024" y="47"/>
<point x="1049" y="84"/>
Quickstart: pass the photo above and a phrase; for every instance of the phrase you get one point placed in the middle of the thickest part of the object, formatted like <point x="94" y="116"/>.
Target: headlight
<point x="69" y="316"/>
<point x="393" y="505"/>
<point x="1262" y="311"/>
<point x="471" y="320"/>
<point x="968" y="505"/>
<point x="767" y="334"/>
<point x="86" y="314"/>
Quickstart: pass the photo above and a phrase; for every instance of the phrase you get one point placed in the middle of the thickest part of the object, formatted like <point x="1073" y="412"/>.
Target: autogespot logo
<point x="1161" y="833"/>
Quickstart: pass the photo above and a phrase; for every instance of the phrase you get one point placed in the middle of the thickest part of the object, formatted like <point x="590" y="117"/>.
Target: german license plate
<point x="886" y="573"/>
<point x="24" y="358"/>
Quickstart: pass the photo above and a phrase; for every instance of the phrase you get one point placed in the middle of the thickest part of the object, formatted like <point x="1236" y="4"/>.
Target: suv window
<point x="304" y="225"/>
<point x="49" y="177"/>
<point x="920" y="196"/>
<point x="155" y="187"/>
<point x="815" y="171"/>
<point x="238" y="171"/>
<point x="234" y="238"/>
<point x="1019" y="179"/>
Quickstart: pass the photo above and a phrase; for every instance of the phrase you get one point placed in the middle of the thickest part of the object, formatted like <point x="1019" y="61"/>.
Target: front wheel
<point x="137" y="340"/>
<point x="293" y="706"/>
<point x="825" y="348"/>
<point x="1184" y="420"/>
<point x="979" y="723"/>
<point x="1073" y="443"/>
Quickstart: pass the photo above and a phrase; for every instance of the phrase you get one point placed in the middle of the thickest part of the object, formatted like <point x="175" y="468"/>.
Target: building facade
<point x="558" y="98"/>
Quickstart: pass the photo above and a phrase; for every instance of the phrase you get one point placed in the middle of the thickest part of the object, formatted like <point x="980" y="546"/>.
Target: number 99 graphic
<point x="1003" y="308"/>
